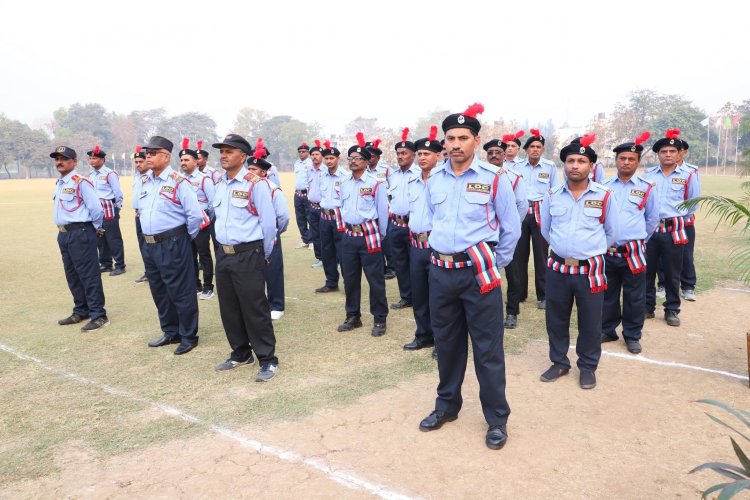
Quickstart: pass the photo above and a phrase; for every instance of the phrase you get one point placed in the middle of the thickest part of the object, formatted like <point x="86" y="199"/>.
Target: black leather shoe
<point x="401" y="304"/>
<point x="606" y="338"/>
<point x="72" y="319"/>
<point x="650" y="315"/>
<point x="633" y="346"/>
<point x="390" y="274"/>
<point x="117" y="272"/>
<point x="496" y="438"/>
<point x="378" y="330"/>
<point x="105" y="269"/>
<point x="511" y="321"/>
<point x="327" y="289"/>
<point x="350" y="323"/>
<point x="417" y="344"/>
<point x="434" y="353"/>
<point x="435" y="421"/>
<point x="185" y="347"/>
<point x="553" y="373"/>
<point x="164" y="340"/>
<point x="587" y="380"/>
<point x="542" y="304"/>
<point x="671" y="318"/>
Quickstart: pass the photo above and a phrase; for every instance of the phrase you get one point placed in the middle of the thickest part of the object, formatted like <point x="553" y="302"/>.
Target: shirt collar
<point x="67" y="177"/>
<point x="588" y="187"/>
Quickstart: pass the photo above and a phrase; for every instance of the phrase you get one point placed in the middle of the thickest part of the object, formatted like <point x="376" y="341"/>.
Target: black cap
<point x="139" y="153"/>
<point x="202" y="152"/>
<point x="303" y="147"/>
<point x="373" y="148"/>
<point x="633" y="147"/>
<point x="235" y="141"/>
<point x="580" y="146"/>
<point x="495" y="143"/>
<point x="404" y="143"/>
<point x="671" y="138"/>
<point x="536" y="136"/>
<point x="96" y="152"/>
<point x="159" y="142"/>
<point x="429" y="145"/>
<point x="364" y="151"/>
<point x="329" y="150"/>
<point x="190" y="152"/>
<point x="467" y="119"/>
<point x="685" y="144"/>
<point x="258" y="162"/>
<point x="64" y="151"/>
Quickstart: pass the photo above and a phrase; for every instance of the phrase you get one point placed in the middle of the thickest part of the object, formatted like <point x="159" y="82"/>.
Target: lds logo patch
<point x="593" y="203"/>
<point x="102" y="177"/>
<point x="68" y="191"/>
<point x="543" y="175"/>
<point x="679" y="180"/>
<point x="195" y="183"/>
<point x="475" y="187"/>
<point x="167" y="189"/>
<point x="365" y="191"/>
<point x="638" y="193"/>
<point x="242" y="195"/>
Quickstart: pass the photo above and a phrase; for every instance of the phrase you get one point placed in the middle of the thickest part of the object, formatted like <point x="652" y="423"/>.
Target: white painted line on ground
<point x="671" y="364"/>
<point x="745" y="290"/>
<point x="348" y="479"/>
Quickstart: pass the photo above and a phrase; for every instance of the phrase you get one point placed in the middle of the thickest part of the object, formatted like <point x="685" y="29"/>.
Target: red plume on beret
<point x="304" y="144"/>
<point x="519" y="134"/>
<point x="642" y="138"/>
<point x="138" y="148"/>
<point x="376" y="143"/>
<point x="317" y="142"/>
<point x="200" y="145"/>
<point x="587" y="140"/>
<point x="404" y="134"/>
<point x="672" y="133"/>
<point x="360" y="139"/>
<point x="260" y="149"/>
<point x="535" y="132"/>
<point x="473" y="110"/>
<point x="327" y="144"/>
<point x="185" y="142"/>
<point x="96" y="150"/>
<point x="508" y="137"/>
<point x="433" y="133"/>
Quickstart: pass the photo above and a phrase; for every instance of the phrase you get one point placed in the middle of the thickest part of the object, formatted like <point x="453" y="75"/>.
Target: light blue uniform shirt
<point x="671" y="190"/>
<point x="273" y="175"/>
<point x="519" y="191"/>
<point x="381" y="172"/>
<point x="168" y="201"/>
<point x="235" y="223"/>
<point x="330" y="188"/>
<point x="635" y="223"/>
<point x="512" y="164"/>
<point x="420" y="212"/>
<point x="398" y="191"/>
<point x="212" y="173"/>
<point x="204" y="188"/>
<point x="573" y="228"/>
<point x="313" y="187"/>
<point x="279" y="206"/>
<point x="76" y="201"/>
<point x="538" y="179"/>
<point x="138" y="180"/>
<point x="465" y="214"/>
<point x="364" y="199"/>
<point x="107" y="184"/>
<point x="597" y="172"/>
<point x="300" y="173"/>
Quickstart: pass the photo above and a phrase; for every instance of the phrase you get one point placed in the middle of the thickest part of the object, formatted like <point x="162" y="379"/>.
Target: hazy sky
<point x="330" y="61"/>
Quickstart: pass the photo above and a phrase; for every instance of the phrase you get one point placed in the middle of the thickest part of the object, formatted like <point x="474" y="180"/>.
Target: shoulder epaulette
<point x="252" y="178"/>
<point x="77" y="179"/>
<point x="610" y="180"/>
<point x="177" y="177"/>
<point x="556" y="189"/>
<point x="548" y="162"/>
<point x="489" y="166"/>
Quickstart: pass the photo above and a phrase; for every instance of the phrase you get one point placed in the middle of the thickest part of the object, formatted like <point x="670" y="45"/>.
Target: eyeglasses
<point x="154" y="153"/>
<point x="495" y="153"/>
<point x="355" y="158"/>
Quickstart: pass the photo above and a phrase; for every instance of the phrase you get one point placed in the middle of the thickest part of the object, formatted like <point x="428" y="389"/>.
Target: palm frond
<point x="729" y="211"/>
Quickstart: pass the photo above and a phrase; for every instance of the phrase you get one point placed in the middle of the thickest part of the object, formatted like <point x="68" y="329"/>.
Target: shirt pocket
<point x="477" y="206"/>
<point x="635" y="200"/>
<point x="592" y="212"/>
<point x="239" y="202"/>
<point x="366" y="201"/>
<point x="543" y="180"/>
<point x="438" y="197"/>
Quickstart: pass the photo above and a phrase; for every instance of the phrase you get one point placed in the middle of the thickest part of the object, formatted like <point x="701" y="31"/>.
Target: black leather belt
<point x="328" y="211"/>
<point x="401" y="219"/>
<point x="457" y="257"/>
<point x="73" y="225"/>
<point x="423" y="237"/>
<point x="156" y="238"/>
<point x="568" y="262"/>
<point x="355" y="228"/>
<point x="532" y="203"/>
<point x="300" y="192"/>
<point x="241" y="247"/>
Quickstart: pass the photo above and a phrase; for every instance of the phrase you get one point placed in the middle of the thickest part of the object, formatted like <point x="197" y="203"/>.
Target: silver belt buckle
<point x="62" y="229"/>
<point x="228" y="249"/>
<point x="149" y="238"/>
<point x="571" y="262"/>
<point x="445" y="258"/>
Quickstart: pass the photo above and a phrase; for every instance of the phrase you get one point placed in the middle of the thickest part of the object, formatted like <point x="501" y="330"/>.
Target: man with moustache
<point x="688" y="277"/>
<point x="107" y="185"/>
<point x="203" y="166"/>
<point x="314" y="174"/>
<point x="382" y="173"/>
<point x="170" y="218"/>
<point x="78" y="216"/>
<point x="514" y="147"/>
<point x="139" y="177"/>
<point x="301" y="167"/>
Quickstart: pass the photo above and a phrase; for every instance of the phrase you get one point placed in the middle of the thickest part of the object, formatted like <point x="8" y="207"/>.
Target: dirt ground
<point x="635" y="436"/>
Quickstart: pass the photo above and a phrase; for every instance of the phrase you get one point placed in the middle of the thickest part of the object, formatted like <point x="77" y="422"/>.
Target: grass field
<point x="319" y="367"/>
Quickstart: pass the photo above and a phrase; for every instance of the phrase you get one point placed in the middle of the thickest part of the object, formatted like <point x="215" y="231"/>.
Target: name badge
<point x="593" y="203"/>
<point x="195" y="183"/>
<point x="679" y="180"/>
<point x="167" y="189"/>
<point x="102" y="177"/>
<point x="68" y="190"/>
<point x="638" y="193"/>
<point x="239" y="194"/>
<point x="365" y="191"/>
<point x="543" y="175"/>
<point x="143" y="194"/>
<point x="475" y="187"/>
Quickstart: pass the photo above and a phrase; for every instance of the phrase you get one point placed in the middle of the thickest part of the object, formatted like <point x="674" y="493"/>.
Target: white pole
<point x="726" y="143"/>
<point x="736" y="149"/>
<point x="708" y="138"/>
<point x="718" y="143"/>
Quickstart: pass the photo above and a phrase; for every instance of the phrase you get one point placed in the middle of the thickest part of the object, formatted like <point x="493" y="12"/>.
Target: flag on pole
<point x="705" y="122"/>
<point x="736" y="120"/>
<point x="727" y="122"/>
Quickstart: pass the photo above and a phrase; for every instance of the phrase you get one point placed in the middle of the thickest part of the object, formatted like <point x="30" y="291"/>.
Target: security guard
<point x="301" y="167"/>
<point x="540" y="175"/>
<point x="246" y="230"/>
<point x="398" y="224"/>
<point x="626" y="259"/>
<point x="107" y="185"/>
<point x="78" y="216"/>
<point x="673" y="186"/>
<point x="514" y="147"/>
<point x="429" y="153"/>
<point x="170" y="217"/>
<point x="203" y="166"/>
<point x="139" y="177"/>
<point x="383" y="174"/>
<point x="688" y="277"/>
<point x="580" y="222"/>
<point x="364" y="210"/>
<point x="273" y="273"/>
<point x="331" y="223"/>
<point x="475" y="227"/>
<point x="314" y="196"/>
<point x="495" y="155"/>
<point x="204" y="189"/>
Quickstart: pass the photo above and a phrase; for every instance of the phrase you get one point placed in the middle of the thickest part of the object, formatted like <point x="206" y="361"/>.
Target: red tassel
<point x="599" y="289"/>
<point x="200" y="145"/>
<point x="138" y="148"/>
<point x="587" y="140"/>
<point x="96" y="150"/>
<point x="360" y="139"/>
<point x="535" y="132"/>
<point x="376" y="143"/>
<point x="489" y="286"/>
<point x="433" y="133"/>
<point x="508" y="137"/>
<point x="260" y="150"/>
<point x="404" y="134"/>
<point x="519" y="134"/>
<point x="672" y="133"/>
<point x="473" y="110"/>
<point x="304" y="145"/>
<point x="317" y="142"/>
<point x="185" y="142"/>
<point x="642" y="138"/>
<point x="327" y="144"/>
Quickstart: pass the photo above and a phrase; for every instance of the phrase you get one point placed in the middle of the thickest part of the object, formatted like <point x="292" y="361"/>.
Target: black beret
<point x="685" y="144"/>
<point x="364" y="151"/>
<point x="671" y="138"/>
<point x="630" y="147"/>
<point x="96" y="152"/>
<point x="303" y="147"/>
<point x="235" y="141"/>
<point x="331" y="151"/>
<point x="405" y="144"/>
<point x="200" y="150"/>
<point x="429" y="144"/>
<point x="258" y="162"/>
<point x="65" y="152"/>
<point x="535" y="136"/>
<point x="576" y="147"/>
<point x="373" y="148"/>
<point x="189" y="152"/>
<point x="159" y="142"/>
<point x="467" y="119"/>
<point x="495" y="143"/>
<point x="139" y="152"/>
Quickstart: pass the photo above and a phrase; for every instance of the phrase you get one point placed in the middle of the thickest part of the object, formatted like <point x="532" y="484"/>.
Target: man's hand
<point x="100" y="232"/>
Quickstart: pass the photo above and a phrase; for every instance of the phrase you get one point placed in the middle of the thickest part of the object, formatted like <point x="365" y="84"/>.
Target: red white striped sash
<point x="690" y="220"/>
<point x="635" y="255"/>
<point x="676" y="227"/>
<point x="594" y="269"/>
<point x="534" y="209"/>
<point x="485" y="269"/>
<point x="109" y="209"/>
<point x="335" y="216"/>
<point x="415" y="241"/>
<point x="371" y="234"/>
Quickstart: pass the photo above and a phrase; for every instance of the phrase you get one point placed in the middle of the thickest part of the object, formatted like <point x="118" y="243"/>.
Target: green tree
<point x="194" y="126"/>
<point x="28" y="150"/>
<point x="248" y="121"/>
<point x="282" y="134"/>
<point x="91" y="119"/>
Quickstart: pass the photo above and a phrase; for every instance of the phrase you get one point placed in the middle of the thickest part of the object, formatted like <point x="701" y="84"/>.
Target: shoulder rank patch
<point x="365" y="191"/>
<point x="167" y="189"/>
<point x="238" y="193"/>
<point x="68" y="190"/>
<point x="144" y="179"/>
<point x="543" y="175"/>
<point x="76" y="178"/>
<point x="476" y="187"/>
<point x="252" y="178"/>
<point x="593" y="203"/>
<point x="679" y="180"/>
<point x="176" y="177"/>
<point x="638" y="193"/>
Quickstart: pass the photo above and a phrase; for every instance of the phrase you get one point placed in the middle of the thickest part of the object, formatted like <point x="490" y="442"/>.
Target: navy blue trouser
<point x="687" y="276"/>
<point x="139" y="234"/>
<point x="201" y="247"/>
<point x="419" y="274"/>
<point x="273" y="273"/>
<point x="513" y="275"/>
<point x="80" y="261"/>
<point x="313" y="218"/>
<point x="387" y="251"/>
<point x="459" y="311"/>
<point x="300" y="214"/>
<point x="244" y="309"/>
<point x="111" y="246"/>
<point x="171" y="277"/>
<point x="531" y="234"/>
<point x="661" y="248"/>
<point x="330" y="243"/>
<point x="400" y="247"/>
<point x="562" y="290"/>
<point x="633" y="310"/>
<point x="354" y="260"/>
